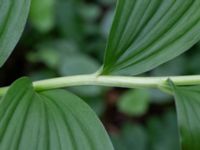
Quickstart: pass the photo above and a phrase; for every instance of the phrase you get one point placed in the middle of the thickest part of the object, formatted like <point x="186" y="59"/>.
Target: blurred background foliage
<point x="68" y="37"/>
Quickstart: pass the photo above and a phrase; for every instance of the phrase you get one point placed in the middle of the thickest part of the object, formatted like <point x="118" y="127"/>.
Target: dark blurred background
<point x="68" y="37"/>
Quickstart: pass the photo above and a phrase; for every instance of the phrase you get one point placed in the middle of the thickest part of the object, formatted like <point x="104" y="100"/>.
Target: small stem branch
<point x="110" y="81"/>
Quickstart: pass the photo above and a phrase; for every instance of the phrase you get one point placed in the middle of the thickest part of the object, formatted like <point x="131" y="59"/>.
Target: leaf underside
<point x="51" y="120"/>
<point x="13" y="15"/>
<point x="188" y="112"/>
<point x="147" y="33"/>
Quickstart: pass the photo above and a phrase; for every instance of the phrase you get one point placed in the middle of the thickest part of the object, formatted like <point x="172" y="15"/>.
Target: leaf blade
<point x="12" y="21"/>
<point x="48" y="120"/>
<point x="146" y="33"/>
<point x="187" y="105"/>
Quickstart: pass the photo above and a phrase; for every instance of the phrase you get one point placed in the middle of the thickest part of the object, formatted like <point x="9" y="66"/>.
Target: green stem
<point x="110" y="81"/>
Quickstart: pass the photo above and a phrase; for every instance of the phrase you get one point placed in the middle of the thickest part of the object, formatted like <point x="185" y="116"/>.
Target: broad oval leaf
<point x="147" y="33"/>
<point x="188" y="111"/>
<point x="51" y="120"/>
<point x="13" y="15"/>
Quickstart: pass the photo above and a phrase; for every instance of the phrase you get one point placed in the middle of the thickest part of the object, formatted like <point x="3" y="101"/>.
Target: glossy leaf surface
<point x="147" y="33"/>
<point x="13" y="15"/>
<point x="51" y="120"/>
<point x="188" y="110"/>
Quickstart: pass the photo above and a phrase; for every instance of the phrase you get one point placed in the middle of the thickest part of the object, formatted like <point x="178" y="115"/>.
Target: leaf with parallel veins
<point x="50" y="120"/>
<point x="188" y="112"/>
<point x="13" y="17"/>
<point x="148" y="33"/>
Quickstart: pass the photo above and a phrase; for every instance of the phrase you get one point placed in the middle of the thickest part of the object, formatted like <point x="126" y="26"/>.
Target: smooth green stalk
<point x="110" y="81"/>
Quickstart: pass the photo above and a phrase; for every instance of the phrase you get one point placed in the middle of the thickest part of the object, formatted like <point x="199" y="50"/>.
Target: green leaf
<point x="51" y="120"/>
<point x="172" y="68"/>
<point x="188" y="110"/>
<point x="13" y="15"/>
<point x="134" y="102"/>
<point x="147" y="33"/>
